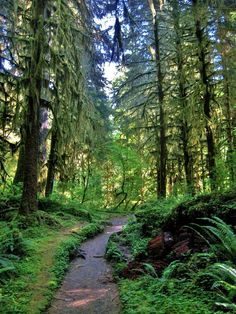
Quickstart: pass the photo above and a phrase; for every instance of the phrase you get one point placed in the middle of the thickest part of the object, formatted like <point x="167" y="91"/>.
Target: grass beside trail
<point x="34" y="258"/>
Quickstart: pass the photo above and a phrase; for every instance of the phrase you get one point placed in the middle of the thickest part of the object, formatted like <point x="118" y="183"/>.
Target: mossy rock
<point x="221" y="205"/>
<point x="153" y="216"/>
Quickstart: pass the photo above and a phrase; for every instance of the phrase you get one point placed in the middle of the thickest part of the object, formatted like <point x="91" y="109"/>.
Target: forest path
<point x="45" y="257"/>
<point x="88" y="287"/>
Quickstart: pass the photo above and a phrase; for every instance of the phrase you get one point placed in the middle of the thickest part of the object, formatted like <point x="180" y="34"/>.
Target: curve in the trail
<point x="88" y="287"/>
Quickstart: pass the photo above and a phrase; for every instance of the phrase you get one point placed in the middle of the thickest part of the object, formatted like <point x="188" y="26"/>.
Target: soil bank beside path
<point x="88" y="287"/>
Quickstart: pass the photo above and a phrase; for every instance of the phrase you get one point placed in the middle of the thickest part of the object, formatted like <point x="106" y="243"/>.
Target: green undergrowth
<point x="196" y="283"/>
<point x="148" y="295"/>
<point x="36" y="251"/>
<point x="132" y="238"/>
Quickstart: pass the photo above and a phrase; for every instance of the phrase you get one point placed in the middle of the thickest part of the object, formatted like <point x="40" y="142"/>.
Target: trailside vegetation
<point x="173" y="254"/>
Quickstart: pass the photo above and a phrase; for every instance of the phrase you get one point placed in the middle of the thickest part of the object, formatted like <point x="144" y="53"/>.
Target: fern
<point x="225" y="283"/>
<point x="222" y="240"/>
<point x="6" y="266"/>
<point x="150" y="270"/>
<point x="170" y="270"/>
<point x="219" y="236"/>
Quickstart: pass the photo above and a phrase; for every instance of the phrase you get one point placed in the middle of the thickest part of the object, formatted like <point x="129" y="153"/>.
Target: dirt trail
<point x="88" y="287"/>
<point x="47" y="251"/>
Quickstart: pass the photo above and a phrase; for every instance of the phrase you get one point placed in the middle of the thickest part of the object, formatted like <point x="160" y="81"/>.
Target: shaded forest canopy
<point x="165" y="128"/>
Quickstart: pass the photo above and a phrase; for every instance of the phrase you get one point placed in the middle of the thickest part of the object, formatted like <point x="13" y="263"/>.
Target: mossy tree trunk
<point x="182" y="91"/>
<point x="229" y="110"/>
<point x="30" y="185"/>
<point x="229" y="125"/>
<point x="19" y="175"/>
<point x="51" y="164"/>
<point x="203" y="53"/>
<point x="161" y="176"/>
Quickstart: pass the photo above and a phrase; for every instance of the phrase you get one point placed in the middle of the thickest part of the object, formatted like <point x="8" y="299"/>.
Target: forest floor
<point x="88" y="286"/>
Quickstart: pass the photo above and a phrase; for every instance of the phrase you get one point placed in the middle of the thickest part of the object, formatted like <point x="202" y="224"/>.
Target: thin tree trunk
<point x="86" y="182"/>
<point x="51" y="164"/>
<point x="161" y="189"/>
<point x="229" y="119"/>
<point x="207" y="93"/>
<point x="228" y="88"/>
<point x="203" y="167"/>
<point x="188" y="166"/>
<point x="29" y="197"/>
<point x="43" y="132"/>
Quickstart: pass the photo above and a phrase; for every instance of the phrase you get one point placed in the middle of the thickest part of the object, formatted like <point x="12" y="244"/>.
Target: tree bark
<point x="161" y="176"/>
<point x="188" y="165"/>
<point x="86" y="180"/>
<point x="207" y="93"/>
<point x="29" y="202"/>
<point x="43" y="132"/>
<point x="229" y="121"/>
<point x="19" y="175"/>
<point x="51" y="164"/>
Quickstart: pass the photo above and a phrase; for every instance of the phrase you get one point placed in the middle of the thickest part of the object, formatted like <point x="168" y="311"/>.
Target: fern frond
<point x="228" y="306"/>
<point x="217" y="232"/>
<point x="151" y="270"/>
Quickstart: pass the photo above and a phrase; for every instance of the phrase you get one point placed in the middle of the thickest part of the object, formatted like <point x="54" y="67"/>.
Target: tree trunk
<point x="207" y="92"/>
<point x="86" y="181"/>
<point x="51" y="164"/>
<point x="229" y="121"/>
<point x="19" y="175"/>
<point x="188" y="165"/>
<point x="203" y="166"/>
<point x="161" y="189"/>
<point x="29" y="197"/>
<point x="43" y="132"/>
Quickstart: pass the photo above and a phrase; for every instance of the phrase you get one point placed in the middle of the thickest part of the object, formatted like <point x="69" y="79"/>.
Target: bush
<point x="7" y="267"/>
<point x="11" y="241"/>
<point x="12" y="247"/>
<point x="113" y="253"/>
<point x="153" y="215"/>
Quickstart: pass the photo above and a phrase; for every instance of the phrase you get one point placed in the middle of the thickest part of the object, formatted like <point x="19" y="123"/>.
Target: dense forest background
<point x="165" y="127"/>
